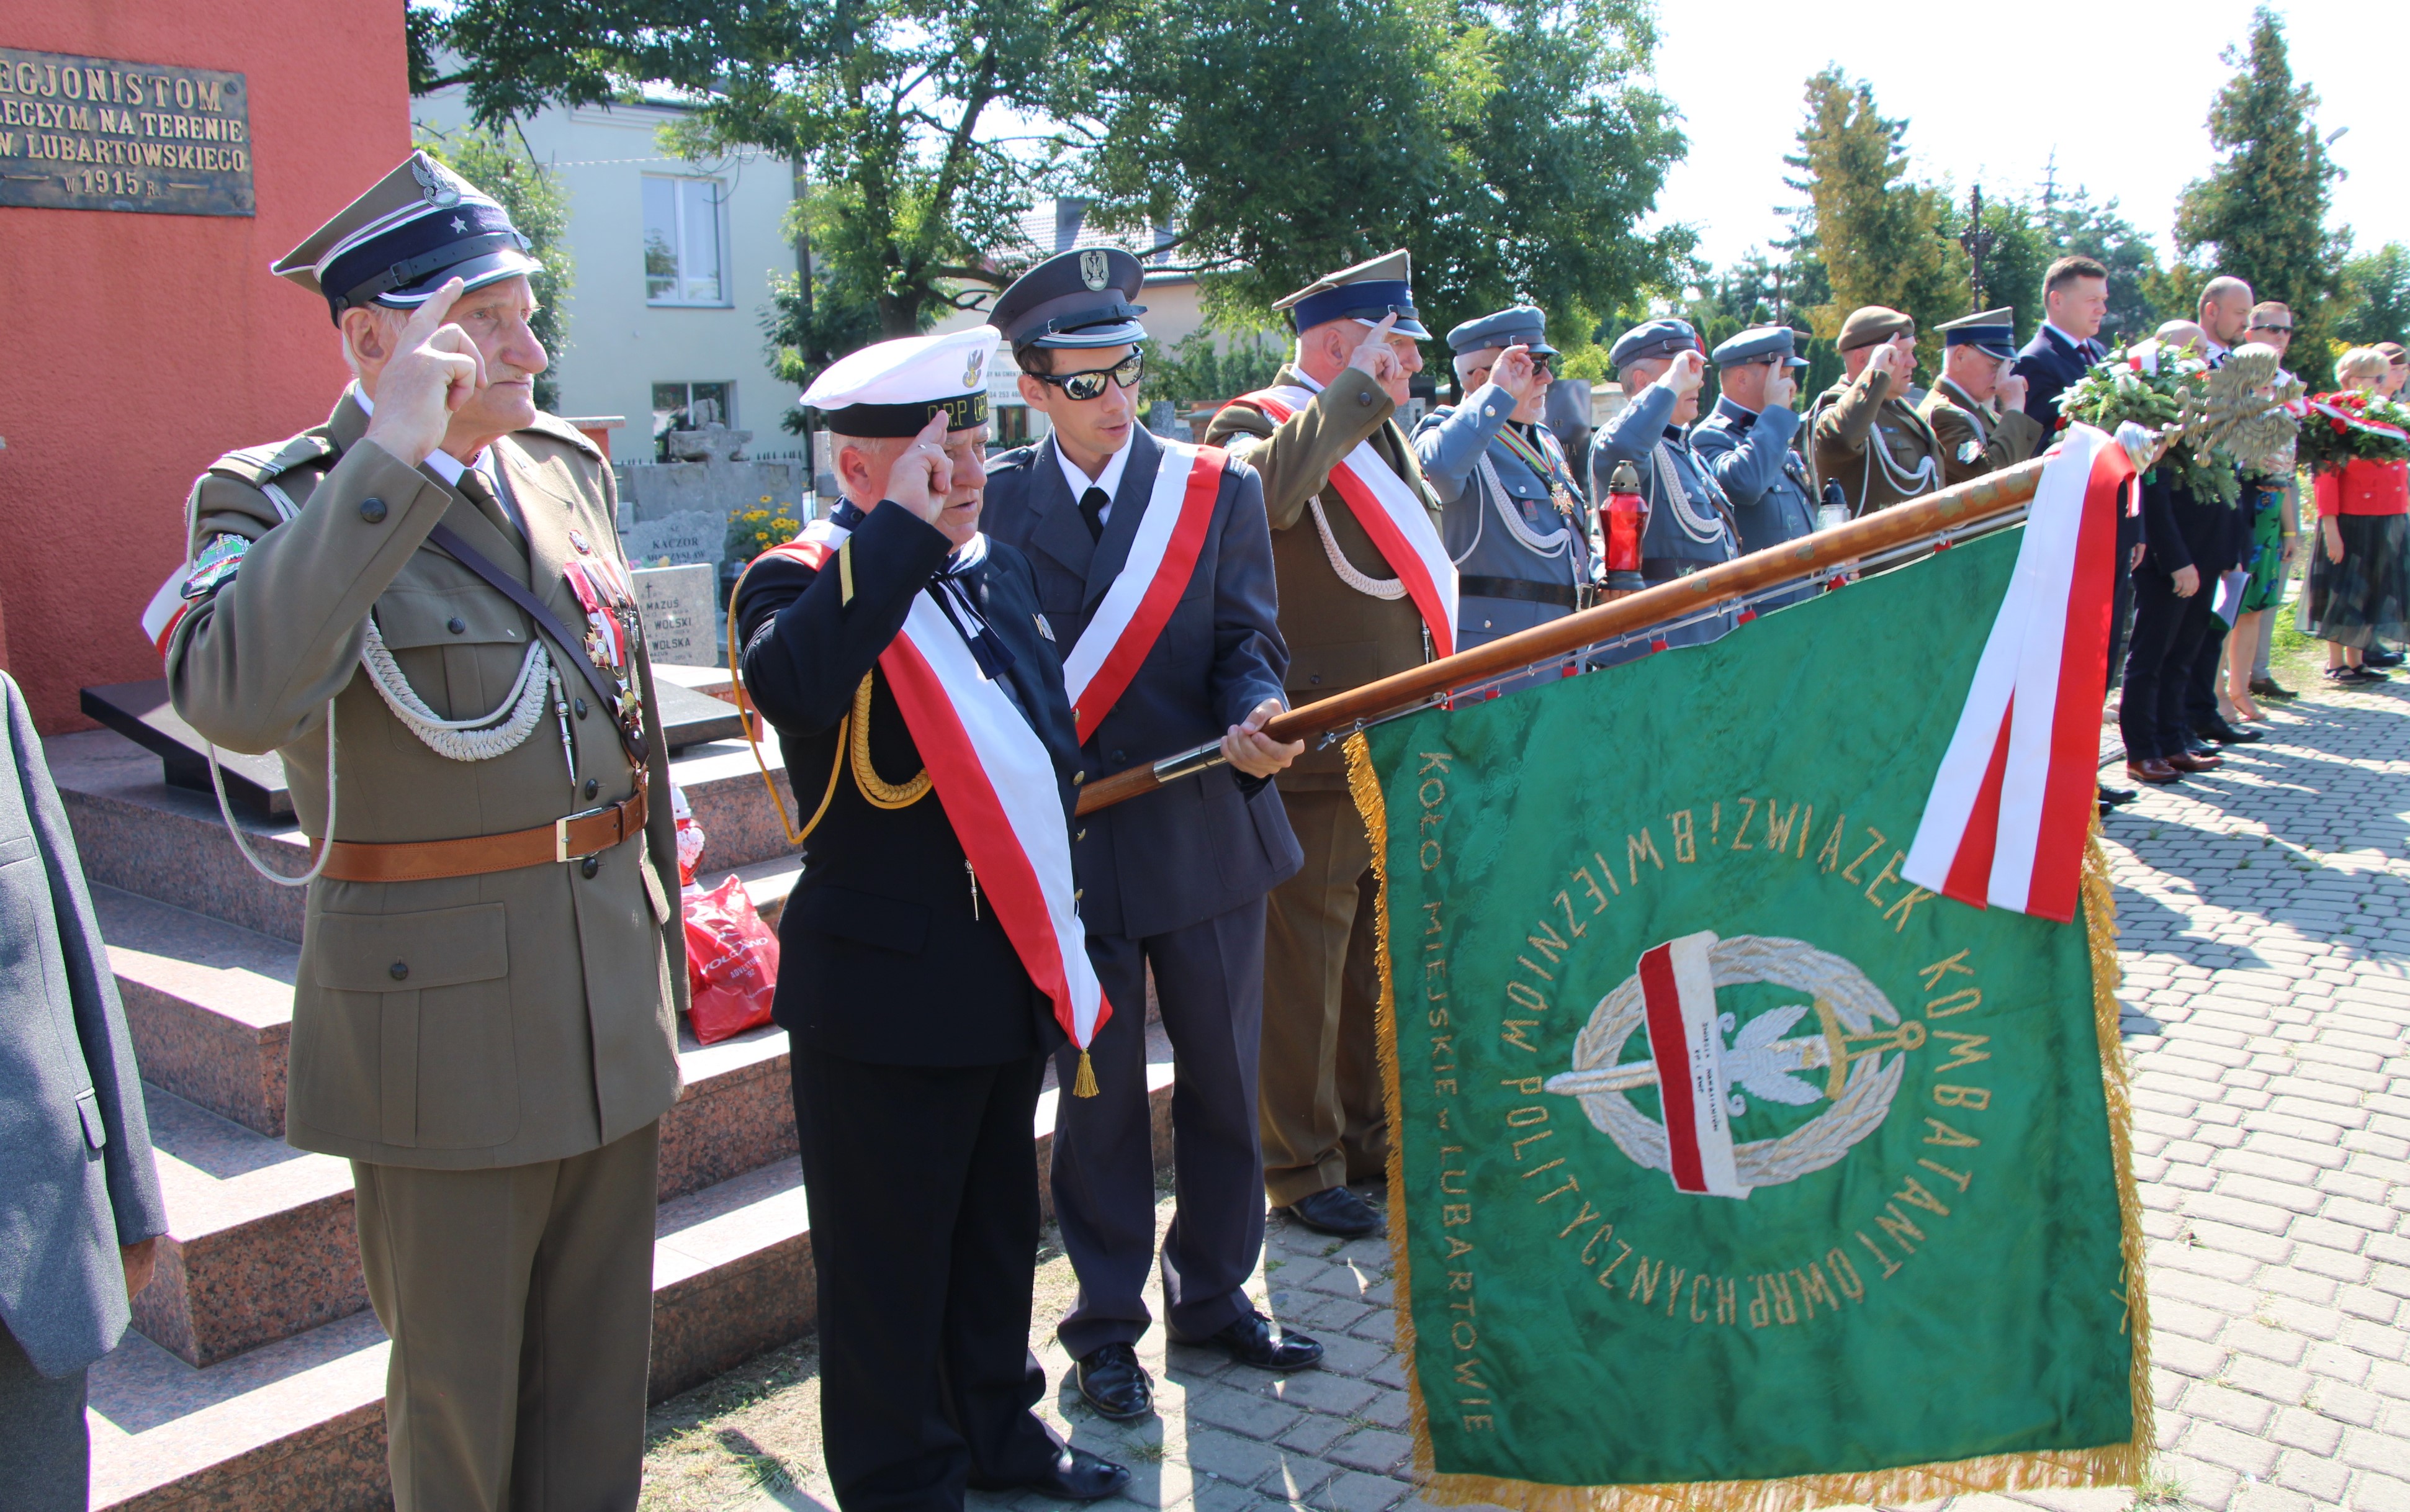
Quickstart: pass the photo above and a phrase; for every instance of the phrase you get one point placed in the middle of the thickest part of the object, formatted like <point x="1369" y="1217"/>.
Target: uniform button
<point x="1364" y="401"/>
<point x="579" y="705"/>
<point x="1082" y="835"/>
<point x="590" y="865"/>
<point x="1119" y="756"/>
<point x="1078" y="777"/>
<point x="1079" y="893"/>
<point x="372" y="510"/>
<point x="1316" y="678"/>
<point x="456" y="625"/>
<point x="590" y="785"/>
<point x="398" y="972"/>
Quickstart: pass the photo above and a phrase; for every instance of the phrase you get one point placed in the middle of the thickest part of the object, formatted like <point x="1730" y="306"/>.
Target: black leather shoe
<point x="2225" y="733"/>
<point x="1077" y="1476"/>
<point x="2378" y="657"/>
<point x="1114" y="1383"/>
<point x="2113" y="796"/>
<point x="1251" y="1341"/>
<point x="2270" y="687"/>
<point x="1336" y="1211"/>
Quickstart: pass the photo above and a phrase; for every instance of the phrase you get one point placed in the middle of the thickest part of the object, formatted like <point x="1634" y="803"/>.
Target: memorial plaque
<point x="681" y="614"/>
<point x="685" y="539"/>
<point x="80" y="133"/>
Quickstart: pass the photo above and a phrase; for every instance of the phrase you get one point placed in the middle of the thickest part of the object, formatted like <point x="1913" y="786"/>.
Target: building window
<point x="689" y="407"/>
<point x="683" y="241"/>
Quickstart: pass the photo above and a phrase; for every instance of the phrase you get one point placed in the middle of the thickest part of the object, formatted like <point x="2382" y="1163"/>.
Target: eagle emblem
<point x="1095" y="270"/>
<point x="973" y="368"/>
<point x="437" y="185"/>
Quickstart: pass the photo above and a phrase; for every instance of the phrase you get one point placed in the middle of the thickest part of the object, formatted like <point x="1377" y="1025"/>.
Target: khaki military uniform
<point x="1875" y="446"/>
<point x="1320" y="1094"/>
<point x="1975" y="438"/>
<point x="492" y="1051"/>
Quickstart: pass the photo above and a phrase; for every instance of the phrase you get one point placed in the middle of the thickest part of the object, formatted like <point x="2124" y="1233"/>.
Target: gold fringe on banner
<point x="2111" y="1464"/>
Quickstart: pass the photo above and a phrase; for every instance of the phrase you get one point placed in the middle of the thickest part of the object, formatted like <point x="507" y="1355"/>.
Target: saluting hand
<point x="1252" y="752"/>
<point x="435" y="369"/>
<point x="1686" y="372"/>
<point x="1779" y="387"/>
<point x="2011" y="395"/>
<point x="1885" y="360"/>
<point x="1373" y="354"/>
<point x="1515" y="373"/>
<point x="924" y="473"/>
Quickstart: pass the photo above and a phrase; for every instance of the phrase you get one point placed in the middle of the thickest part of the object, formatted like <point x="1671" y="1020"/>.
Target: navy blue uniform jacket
<point x="884" y="956"/>
<point x="1207" y="843"/>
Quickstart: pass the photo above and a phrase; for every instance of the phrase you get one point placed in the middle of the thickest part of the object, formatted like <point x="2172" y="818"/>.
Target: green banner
<point x="1914" y="1270"/>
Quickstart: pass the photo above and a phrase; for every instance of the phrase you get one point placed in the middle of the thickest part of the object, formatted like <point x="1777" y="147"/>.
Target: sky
<point x="2123" y="97"/>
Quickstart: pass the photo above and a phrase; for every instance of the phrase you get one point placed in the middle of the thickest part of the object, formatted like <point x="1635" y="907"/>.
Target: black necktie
<point x="1092" y="509"/>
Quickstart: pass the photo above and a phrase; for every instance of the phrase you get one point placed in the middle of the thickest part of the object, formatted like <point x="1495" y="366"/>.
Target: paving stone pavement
<point x="2265" y="921"/>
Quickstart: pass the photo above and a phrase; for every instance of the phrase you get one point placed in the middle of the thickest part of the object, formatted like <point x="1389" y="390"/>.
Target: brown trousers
<point x="520" y="1304"/>
<point x="1319" y="1075"/>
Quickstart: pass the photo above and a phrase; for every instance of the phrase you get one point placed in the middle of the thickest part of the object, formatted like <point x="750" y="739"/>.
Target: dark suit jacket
<point x="2049" y="364"/>
<point x="75" y="1177"/>
<point x="1207" y="843"/>
<point x="884" y="957"/>
<point x="2186" y="531"/>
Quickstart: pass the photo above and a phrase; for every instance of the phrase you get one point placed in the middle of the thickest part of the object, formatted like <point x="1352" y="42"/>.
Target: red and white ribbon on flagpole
<point x="1161" y="559"/>
<point x="1391" y="514"/>
<point x="2012" y="804"/>
<point x="1678" y="991"/>
<point x="996" y="783"/>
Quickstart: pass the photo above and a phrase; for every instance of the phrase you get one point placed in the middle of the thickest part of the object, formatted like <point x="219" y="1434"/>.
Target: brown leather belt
<point x="572" y="838"/>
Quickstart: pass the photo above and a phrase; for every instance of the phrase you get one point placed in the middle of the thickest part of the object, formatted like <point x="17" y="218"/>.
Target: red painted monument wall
<point x="137" y="346"/>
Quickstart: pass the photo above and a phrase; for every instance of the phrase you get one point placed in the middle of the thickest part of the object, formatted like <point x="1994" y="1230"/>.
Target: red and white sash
<point x="1161" y="559"/>
<point x="1390" y="513"/>
<point x="996" y="783"/>
<point x="2012" y="804"/>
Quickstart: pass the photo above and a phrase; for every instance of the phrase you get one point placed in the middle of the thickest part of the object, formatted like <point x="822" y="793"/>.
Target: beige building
<point x="674" y="263"/>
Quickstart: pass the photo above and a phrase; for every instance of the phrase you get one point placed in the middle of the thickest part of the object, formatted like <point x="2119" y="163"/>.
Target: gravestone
<point x="710" y="475"/>
<point x="681" y="610"/>
<point x="686" y="539"/>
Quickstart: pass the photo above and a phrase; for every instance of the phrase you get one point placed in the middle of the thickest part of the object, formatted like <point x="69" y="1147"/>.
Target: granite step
<point x="209" y="1004"/>
<point x="298" y="1425"/>
<point x="138" y="835"/>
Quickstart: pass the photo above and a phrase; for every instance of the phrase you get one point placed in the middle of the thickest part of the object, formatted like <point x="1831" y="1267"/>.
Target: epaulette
<point x="258" y="465"/>
<point x="560" y="429"/>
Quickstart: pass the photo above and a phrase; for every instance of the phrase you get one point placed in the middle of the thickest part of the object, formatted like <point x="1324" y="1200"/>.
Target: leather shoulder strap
<point x="510" y="588"/>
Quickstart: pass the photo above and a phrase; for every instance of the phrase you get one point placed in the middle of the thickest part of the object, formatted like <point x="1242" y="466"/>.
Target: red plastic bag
<point x="732" y="963"/>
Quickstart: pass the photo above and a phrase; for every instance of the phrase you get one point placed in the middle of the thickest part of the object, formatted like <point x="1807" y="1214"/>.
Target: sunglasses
<point x="1089" y="384"/>
<point x="2285" y="330"/>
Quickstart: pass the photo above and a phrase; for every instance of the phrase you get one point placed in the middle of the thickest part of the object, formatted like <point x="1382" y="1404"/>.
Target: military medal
<point x="610" y="623"/>
<point x="1545" y="465"/>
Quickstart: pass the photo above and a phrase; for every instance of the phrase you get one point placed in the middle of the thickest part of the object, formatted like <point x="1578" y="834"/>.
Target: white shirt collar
<point x="1306" y="379"/>
<point x="2214" y="350"/>
<point x="438" y="461"/>
<point x="1110" y="479"/>
<point x="2076" y="342"/>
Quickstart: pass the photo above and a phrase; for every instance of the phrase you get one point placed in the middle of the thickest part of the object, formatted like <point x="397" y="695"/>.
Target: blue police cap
<point x="1653" y="338"/>
<point x="1522" y="325"/>
<point x="1756" y="344"/>
<point x="417" y="228"/>
<point x="1993" y="332"/>
<point x="1079" y="298"/>
<point x="1371" y="289"/>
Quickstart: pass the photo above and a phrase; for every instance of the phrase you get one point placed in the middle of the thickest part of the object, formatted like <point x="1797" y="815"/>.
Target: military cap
<point x="418" y="227"/>
<point x="1872" y="323"/>
<point x="1653" y="338"/>
<point x="1756" y="344"/>
<point x="1993" y="332"/>
<point x="1379" y="287"/>
<point x="892" y="388"/>
<point x="1074" y="299"/>
<point x="1524" y="326"/>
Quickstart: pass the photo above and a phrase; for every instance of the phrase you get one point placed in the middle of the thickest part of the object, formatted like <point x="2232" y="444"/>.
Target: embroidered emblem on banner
<point x="1703" y="1084"/>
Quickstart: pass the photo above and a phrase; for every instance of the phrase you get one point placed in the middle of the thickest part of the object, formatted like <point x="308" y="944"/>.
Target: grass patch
<point x="2159" y="1487"/>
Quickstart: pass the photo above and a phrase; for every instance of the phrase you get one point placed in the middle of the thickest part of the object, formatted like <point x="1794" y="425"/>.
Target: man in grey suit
<point x="80" y="1207"/>
<point x="1155" y="575"/>
<point x="1517" y="523"/>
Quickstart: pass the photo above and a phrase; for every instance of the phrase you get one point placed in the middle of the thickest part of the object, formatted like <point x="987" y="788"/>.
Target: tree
<point x="2376" y="297"/>
<point x="2260" y="214"/>
<point x="504" y="168"/>
<point x="2076" y="225"/>
<point x="1511" y="144"/>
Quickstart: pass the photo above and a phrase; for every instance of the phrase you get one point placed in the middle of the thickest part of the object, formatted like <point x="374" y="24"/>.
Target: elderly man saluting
<point x="1977" y="411"/>
<point x="1366" y="590"/>
<point x="1517" y="523"/>
<point x="1689" y="520"/>
<point x="484" y="1016"/>
<point x="1745" y="444"/>
<point x="1863" y="433"/>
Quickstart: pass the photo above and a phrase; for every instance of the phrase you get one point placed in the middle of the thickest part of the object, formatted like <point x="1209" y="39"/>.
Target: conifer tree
<point x="1883" y="237"/>
<point x="2260" y="214"/>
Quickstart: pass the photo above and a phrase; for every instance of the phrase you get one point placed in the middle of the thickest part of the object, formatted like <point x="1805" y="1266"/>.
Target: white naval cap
<point x="892" y="388"/>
